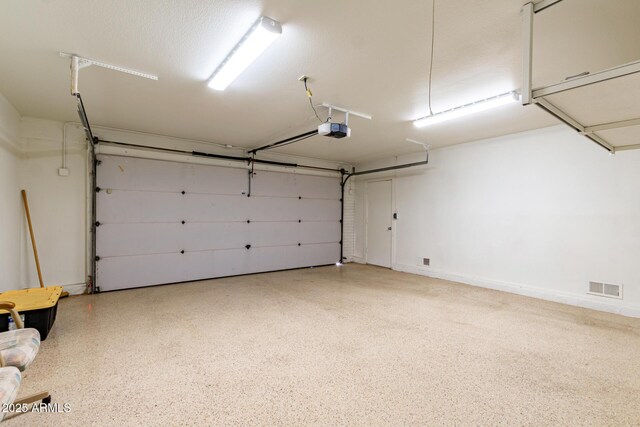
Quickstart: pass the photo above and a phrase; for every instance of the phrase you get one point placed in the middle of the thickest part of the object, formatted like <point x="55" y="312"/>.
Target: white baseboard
<point x="75" y="289"/>
<point x="586" y="301"/>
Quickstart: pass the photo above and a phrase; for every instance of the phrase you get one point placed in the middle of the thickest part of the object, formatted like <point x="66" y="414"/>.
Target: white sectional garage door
<point x="165" y="222"/>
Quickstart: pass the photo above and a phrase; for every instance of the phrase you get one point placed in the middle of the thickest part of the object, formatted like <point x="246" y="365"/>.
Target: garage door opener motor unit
<point x="335" y="130"/>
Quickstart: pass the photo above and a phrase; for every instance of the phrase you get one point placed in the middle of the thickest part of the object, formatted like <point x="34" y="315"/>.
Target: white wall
<point x="57" y="203"/>
<point x="539" y="213"/>
<point x="10" y="203"/>
<point x="30" y="155"/>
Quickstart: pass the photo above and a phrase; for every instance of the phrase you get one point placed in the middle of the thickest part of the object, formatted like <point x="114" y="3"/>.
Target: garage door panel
<point x="136" y="206"/>
<point x="135" y="271"/>
<point x="310" y="186"/>
<point x="231" y="263"/>
<point x="320" y="254"/>
<point x="142" y="234"/>
<point x="138" y="239"/>
<point x="201" y="265"/>
<point x="260" y="259"/>
<point x="209" y="236"/>
<point x="274" y="258"/>
<point x="139" y="174"/>
<point x="215" y="180"/>
<point x="266" y="183"/>
<point x="220" y="263"/>
<point x="274" y="209"/>
<point x="320" y="232"/>
<point x="319" y="209"/>
<point x="288" y="257"/>
<point x="210" y="208"/>
<point x="274" y="233"/>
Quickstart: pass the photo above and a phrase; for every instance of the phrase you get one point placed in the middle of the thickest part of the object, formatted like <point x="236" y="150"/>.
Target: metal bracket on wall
<point x="537" y="95"/>
<point x="346" y="111"/>
<point x="79" y="62"/>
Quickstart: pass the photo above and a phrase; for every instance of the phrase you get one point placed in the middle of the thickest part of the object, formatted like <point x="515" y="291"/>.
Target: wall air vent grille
<point x="605" y="289"/>
<point x="613" y="290"/>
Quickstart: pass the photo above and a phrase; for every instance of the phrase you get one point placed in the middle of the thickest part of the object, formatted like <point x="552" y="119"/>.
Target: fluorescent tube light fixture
<point x="255" y="41"/>
<point x="465" y="110"/>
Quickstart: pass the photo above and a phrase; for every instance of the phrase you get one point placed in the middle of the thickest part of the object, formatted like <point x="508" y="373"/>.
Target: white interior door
<point x="379" y="215"/>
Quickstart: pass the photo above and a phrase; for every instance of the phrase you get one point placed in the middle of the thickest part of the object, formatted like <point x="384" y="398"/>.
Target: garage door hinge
<point x="98" y="189"/>
<point x="97" y="223"/>
<point x="97" y="258"/>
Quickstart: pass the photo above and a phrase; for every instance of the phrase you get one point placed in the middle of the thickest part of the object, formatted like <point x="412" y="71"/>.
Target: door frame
<point x="366" y="219"/>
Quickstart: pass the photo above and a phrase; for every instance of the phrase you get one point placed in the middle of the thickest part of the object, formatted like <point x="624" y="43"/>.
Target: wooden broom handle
<point x="33" y="238"/>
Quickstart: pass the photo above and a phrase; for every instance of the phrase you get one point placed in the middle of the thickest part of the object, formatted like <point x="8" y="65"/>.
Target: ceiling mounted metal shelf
<point x="589" y="79"/>
<point x="537" y="95"/>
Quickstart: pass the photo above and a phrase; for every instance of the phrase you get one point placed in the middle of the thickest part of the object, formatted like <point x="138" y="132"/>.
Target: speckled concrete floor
<point x="355" y="345"/>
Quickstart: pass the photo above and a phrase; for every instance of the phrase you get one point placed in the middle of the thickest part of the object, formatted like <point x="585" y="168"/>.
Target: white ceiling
<point x="369" y="56"/>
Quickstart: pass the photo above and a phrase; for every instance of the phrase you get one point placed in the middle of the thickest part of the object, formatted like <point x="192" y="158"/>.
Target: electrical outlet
<point x="63" y="172"/>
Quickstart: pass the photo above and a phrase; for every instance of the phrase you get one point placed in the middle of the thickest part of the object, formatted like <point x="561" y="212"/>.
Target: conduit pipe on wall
<point x="64" y="142"/>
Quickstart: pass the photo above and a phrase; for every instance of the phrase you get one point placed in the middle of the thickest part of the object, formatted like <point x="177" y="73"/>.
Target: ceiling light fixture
<point x="259" y="37"/>
<point x="467" y="109"/>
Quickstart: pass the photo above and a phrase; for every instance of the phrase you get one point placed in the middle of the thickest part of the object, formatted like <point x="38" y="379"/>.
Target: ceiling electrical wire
<point x="310" y="96"/>
<point x="433" y="26"/>
<point x="297" y="138"/>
